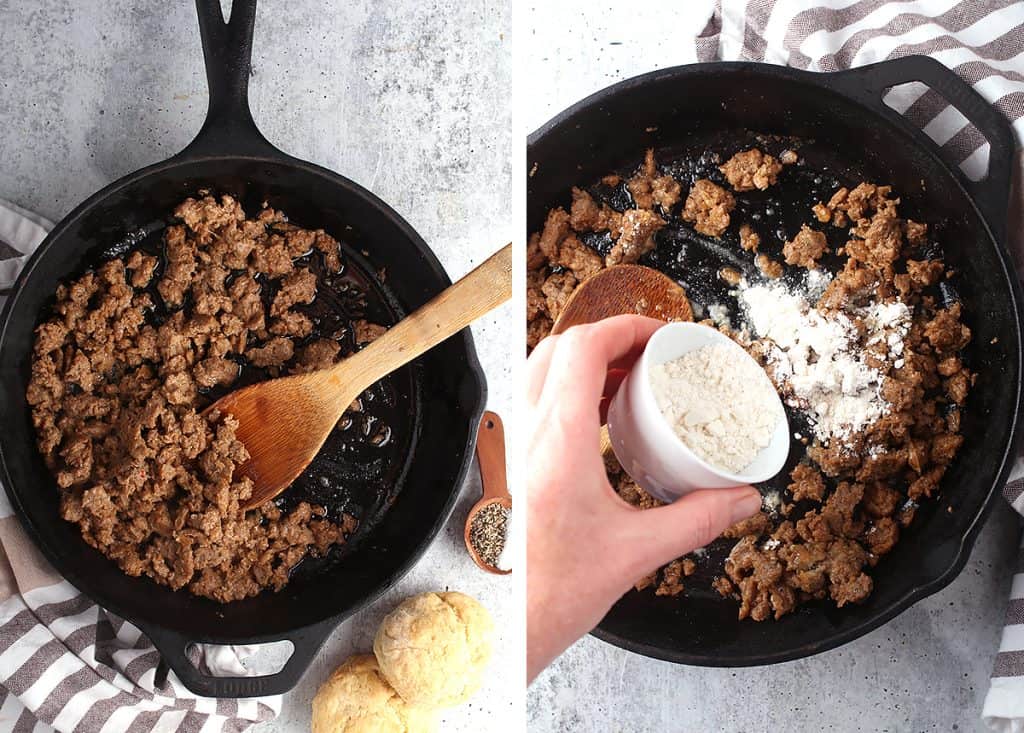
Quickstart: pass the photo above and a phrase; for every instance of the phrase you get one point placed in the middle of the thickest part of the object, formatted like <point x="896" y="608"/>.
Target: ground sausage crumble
<point x="116" y="398"/>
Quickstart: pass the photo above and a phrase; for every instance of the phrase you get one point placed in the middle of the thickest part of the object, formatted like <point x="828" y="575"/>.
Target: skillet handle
<point x="227" y="50"/>
<point x="868" y="85"/>
<point x="306" y="641"/>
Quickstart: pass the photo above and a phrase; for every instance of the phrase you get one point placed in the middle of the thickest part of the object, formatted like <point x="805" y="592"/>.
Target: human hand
<point x="585" y="545"/>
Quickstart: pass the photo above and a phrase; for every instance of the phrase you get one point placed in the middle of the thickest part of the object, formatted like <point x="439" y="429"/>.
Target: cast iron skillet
<point x="677" y="111"/>
<point x="230" y="155"/>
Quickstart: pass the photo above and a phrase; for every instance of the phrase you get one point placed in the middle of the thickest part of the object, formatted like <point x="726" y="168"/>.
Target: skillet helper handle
<point x="992" y="193"/>
<point x="227" y="52"/>
<point x="306" y="642"/>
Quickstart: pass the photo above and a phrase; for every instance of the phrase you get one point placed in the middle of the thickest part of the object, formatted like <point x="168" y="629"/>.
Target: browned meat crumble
<point x="806" y="248"/>
<point x="749" y="239"/>
<point x="649" y="187"/>
<point x="116" y="400"/>
<point x="708" y="206"/>
<point x="751" y="169"/>
<point x="636" y="237"/>
<point x="768" y="267"/>
<point x="846" y="501"/>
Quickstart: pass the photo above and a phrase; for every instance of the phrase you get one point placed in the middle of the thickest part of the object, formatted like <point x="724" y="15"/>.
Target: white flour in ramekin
<point x="719" y="403"/>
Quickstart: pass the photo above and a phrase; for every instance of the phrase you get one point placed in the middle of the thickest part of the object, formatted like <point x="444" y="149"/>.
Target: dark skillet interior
<point x="683" y="114"/>
<point x="434" y="407"/>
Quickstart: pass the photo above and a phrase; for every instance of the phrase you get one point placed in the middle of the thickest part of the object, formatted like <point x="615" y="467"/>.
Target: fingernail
<point x="747" y="505"/>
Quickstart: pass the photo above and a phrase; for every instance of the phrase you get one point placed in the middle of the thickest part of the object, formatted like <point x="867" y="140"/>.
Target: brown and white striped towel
<point x="65" y="663"/>
<point x="983" y="41"/>
<point x="20" y="233"/>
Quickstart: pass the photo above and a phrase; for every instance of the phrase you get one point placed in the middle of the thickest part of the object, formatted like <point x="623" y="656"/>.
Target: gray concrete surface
<point x="408" y="98"/>
<point x="926" y="670"/>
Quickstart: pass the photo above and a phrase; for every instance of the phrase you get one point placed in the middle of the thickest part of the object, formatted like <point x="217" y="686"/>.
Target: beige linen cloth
<point x="65" y="663"/>
<point x="983" y="42"/>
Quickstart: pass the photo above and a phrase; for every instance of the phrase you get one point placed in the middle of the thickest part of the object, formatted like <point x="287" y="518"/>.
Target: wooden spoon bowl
<point x="283" y="422"/>
<point x="490" y="453"/>
<point x="623" y="289"/>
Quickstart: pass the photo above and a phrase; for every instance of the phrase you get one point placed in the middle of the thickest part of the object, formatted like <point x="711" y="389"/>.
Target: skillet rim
<point x="883" y="116"/>
<point x="473" y="407"/>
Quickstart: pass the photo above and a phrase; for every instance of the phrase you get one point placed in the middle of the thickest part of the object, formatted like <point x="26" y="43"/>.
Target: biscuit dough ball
<point x="433" y="648"/>
<point x="357" y="699"/>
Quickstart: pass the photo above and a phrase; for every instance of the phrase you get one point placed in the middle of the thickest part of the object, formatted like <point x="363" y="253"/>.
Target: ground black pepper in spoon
<point x="488" y="531"/>
<point x="495" y="505"/>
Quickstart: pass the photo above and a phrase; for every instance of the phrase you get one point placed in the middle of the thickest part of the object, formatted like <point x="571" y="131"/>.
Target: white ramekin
<point x="646" y="445"/>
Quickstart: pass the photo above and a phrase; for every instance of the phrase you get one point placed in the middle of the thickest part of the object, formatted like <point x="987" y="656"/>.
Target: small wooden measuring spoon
<point x="619" y="290"/>
<point x="283" y="422"/>
<point x="490" y="453"/>
<point x="623" y="289"/>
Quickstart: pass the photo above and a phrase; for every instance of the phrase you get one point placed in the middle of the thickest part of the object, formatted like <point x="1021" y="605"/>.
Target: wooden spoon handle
<point x="482" y="290"/>
<point x="490" y="452"/>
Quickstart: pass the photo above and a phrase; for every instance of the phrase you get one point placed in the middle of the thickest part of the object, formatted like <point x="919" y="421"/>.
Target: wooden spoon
<point x="622" y="289"/>
<point x="490" y="453"/>
<point x="283" y="422"/>
<point x="619" y="290"/>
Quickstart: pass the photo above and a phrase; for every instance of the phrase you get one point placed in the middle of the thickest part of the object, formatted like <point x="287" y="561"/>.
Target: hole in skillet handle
<point x="930" y="112"/>
<point x="225" y="10"/>
<point x="173" y="648"/>
<point x="266" y="658"/>
<point x="869" y="84"/>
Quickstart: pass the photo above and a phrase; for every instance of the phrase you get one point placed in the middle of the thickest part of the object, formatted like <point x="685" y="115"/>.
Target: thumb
<point x="665" y="533"/>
